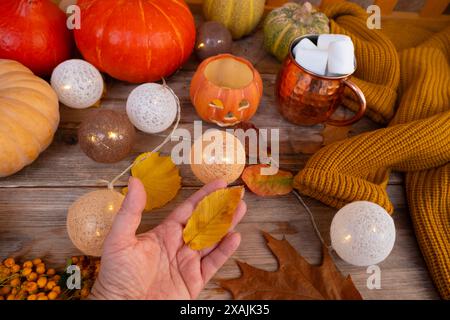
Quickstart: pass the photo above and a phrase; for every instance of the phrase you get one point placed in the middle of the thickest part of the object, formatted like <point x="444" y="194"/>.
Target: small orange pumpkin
<point x="226" y="90"/>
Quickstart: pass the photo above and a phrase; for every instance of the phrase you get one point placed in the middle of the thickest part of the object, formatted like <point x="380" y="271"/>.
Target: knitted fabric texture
<point x="417" y="140"/>
<point x="425" y="91"/>
<point x="378" y="67"/>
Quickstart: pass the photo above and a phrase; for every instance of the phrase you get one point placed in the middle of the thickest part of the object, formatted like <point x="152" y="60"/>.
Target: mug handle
<point x="361" y="111"/>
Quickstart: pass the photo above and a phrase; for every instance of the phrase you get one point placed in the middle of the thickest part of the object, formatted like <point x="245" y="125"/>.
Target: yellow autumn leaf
<point x="160" y="177"/>
<point x="212" y="218"/>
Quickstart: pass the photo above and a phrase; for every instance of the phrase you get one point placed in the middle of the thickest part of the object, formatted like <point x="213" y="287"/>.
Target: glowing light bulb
<point x="88" y="223"/>
<point x="362" y="233"/>
<point x="208" y="166"/>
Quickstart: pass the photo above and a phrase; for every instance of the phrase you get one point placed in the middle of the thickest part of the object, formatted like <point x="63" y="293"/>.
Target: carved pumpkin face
<point x="226" y="90"/>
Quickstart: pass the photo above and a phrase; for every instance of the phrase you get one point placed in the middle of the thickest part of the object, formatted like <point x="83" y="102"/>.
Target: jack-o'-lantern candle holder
<point x="226" y="90"/>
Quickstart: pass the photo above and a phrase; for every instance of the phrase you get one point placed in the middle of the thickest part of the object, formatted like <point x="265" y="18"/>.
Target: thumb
<point x="127" y="220"/>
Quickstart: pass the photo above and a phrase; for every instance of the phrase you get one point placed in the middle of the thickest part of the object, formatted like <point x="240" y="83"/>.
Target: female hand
<point x="157" y="264"/>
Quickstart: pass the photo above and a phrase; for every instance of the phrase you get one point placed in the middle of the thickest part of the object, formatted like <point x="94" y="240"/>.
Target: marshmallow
<point x="325" y="40"/>
<point x="304" y="44"/>
<point x="312" y="60"/>
<point x="341" y="58"/>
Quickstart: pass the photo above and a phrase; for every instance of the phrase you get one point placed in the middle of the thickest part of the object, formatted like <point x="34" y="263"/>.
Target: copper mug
<point x="306" y="98"/>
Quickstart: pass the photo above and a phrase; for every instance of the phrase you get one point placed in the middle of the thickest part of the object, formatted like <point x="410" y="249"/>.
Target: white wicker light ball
<point x="77" y="83"/>
<point x="90" y="219"/>
<point x="362" y="233"/>
<point x="152" y="107"/>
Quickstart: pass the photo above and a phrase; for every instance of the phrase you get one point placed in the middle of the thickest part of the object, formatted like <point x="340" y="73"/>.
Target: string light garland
<point x="162" y="144"/>
<point x="362" y="233"/>
<point x="313" y="221"/>
<point x="90" y="217"/>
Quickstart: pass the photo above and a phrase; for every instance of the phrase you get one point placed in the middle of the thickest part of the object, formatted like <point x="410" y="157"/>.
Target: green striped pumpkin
<point x="292" y="20"/>
<point x="239" y="16"/>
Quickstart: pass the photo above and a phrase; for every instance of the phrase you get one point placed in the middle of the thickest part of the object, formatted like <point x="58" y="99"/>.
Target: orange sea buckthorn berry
<point x="40" y="268"/>
<point x="2" y="298"/>
<point x="74" y="260"/>
<point x="26" y="271"/>
<point x="42" y="298"/>
<point x="31" y="287"/>
<point x="37" y="261"/>
<point x="57" y="289"/>
<point x="4" y="271"/>
<point x="27" y="264"/>
<point x="11" y="297"/>
<point x="21" y="295"/>
<point x="15" y="282"/>
<point x="51" y="272"/>
<point x="32" y="276"/>
<point x="50" y="285"/>
<point x="32" y="297"/>
<point x="42" y="282"/>
<point x="9" y="262"/>
<point x="14" y="291"/>
<point x="52" y="295"/>
<point x="5" y="290"/>
<point x="15" y="268"/>
<point x="56" y="278"/>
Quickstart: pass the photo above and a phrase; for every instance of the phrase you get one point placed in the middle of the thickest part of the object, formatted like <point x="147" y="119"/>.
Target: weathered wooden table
<point x="34" y="202"/>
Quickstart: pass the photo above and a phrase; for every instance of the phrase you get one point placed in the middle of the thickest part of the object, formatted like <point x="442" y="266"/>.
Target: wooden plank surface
<point x="32" y="223"/>
<point x="34" y="202"/>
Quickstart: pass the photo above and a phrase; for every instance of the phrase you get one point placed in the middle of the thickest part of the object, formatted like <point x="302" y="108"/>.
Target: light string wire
<point x="162" y="144"/>
<point x="311" y="217"/>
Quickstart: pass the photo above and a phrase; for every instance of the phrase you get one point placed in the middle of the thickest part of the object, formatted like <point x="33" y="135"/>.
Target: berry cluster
<point x="32" y="280"/>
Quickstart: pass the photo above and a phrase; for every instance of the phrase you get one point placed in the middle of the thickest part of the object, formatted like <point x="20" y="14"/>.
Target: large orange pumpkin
<point x="226" y="90"/>
<point x="29" y="116"/>
<point x="133" y="40"/>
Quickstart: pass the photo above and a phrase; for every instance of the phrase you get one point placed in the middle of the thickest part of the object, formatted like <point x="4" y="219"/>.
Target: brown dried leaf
<point x="295" y="278"/>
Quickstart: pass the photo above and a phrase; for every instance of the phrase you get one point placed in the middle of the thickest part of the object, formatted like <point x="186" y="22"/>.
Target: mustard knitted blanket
<point x="408" y="89"/>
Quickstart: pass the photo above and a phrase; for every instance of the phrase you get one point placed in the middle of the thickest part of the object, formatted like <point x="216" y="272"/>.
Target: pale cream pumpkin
<point x="29" y="116"/>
